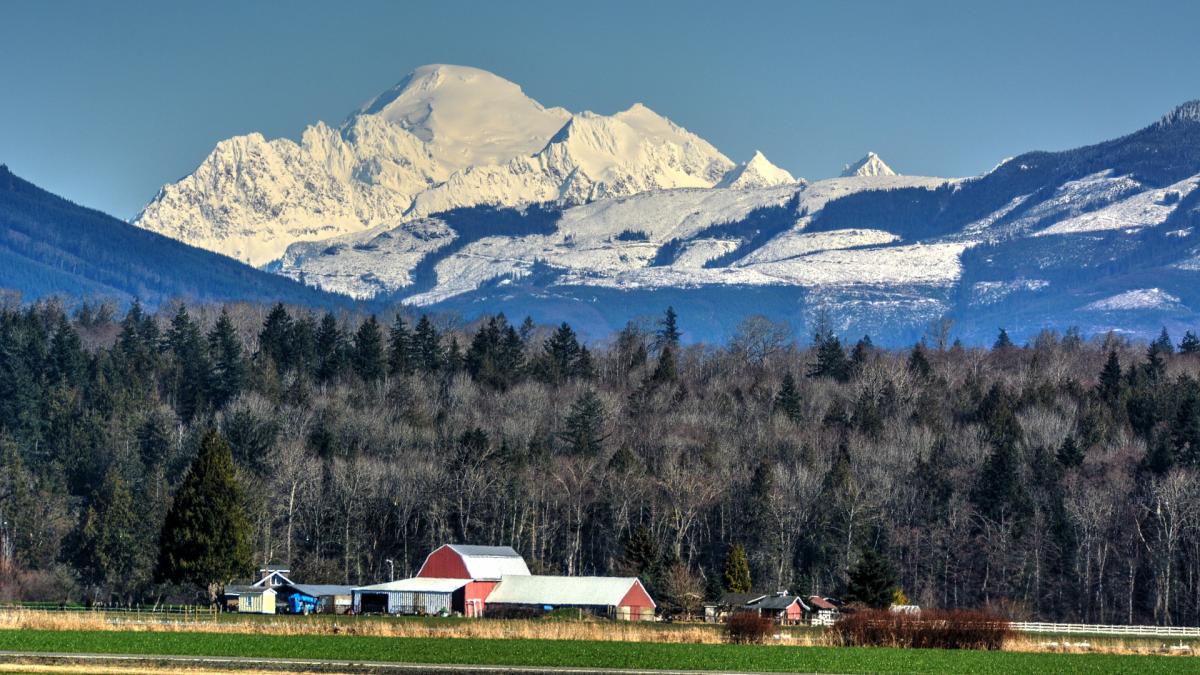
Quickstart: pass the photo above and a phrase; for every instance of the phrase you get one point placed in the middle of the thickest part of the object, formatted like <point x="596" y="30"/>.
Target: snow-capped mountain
<point x="757" y="173"/>
<point x="870" y="165"/>
<point x="444" y="137"/>
<point x="1106" y="236"/>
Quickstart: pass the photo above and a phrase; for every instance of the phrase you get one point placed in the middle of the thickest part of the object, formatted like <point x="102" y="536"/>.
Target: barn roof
<point x="418" y="585"/>
<point x="490" y="562"/>
<point x="549" y="590"/>
<point x="820" y="603"/>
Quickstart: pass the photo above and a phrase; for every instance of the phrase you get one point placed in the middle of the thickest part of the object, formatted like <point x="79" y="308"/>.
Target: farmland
<point x="582" y="653"/>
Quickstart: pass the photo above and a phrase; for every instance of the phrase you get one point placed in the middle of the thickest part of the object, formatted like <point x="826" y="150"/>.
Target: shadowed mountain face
<point x="50" y="246"/>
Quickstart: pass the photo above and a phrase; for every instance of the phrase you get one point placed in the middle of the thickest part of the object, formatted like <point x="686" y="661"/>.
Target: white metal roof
<point x="490" y="562"/>
<point x="418" y="585"/>
<point x="548" y="590"/>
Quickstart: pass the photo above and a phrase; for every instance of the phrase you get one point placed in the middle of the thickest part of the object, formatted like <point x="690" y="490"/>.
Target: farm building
<point x="729" y="602"/>
<point x="820" y="611"/>
<point x="418" y="595"/>
<point x="314" y="598"/>
<point x="782" y="608"/>
<point x="269" y="577"/>
<point x="250" y="599"/>
<point x="621" y="598"/>
<point x="482" y="565"/>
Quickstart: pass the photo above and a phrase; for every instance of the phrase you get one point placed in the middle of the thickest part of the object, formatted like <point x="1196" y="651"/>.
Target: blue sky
<point x="104" y="102"/>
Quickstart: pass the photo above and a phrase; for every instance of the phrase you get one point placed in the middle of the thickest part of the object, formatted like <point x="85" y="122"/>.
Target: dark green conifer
<point x="872" y="581"/>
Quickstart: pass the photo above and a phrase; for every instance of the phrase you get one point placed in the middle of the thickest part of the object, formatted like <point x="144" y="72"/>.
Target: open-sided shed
<point x="615" y="597"/>
<point x="315" y="598"/>
<point x="418" y="595"/>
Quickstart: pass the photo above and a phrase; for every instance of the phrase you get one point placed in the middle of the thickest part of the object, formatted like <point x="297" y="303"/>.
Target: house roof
<point x="490" y="562"/>
<point x="418" y="585"/>
<point x="820" y="603"/>
<point x="777" y="602"/>
<point x="320" y="590"/>
<point x="238" y="589"/>
<point x="551" y="590"/>
<point x="739" y="599"/>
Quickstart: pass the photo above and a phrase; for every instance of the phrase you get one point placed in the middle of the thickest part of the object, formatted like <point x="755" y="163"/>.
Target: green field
<point x="563" y="653"/>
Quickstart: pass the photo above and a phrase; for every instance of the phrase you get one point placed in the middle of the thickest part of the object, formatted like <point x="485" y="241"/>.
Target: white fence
<point x="1094" y="629"/>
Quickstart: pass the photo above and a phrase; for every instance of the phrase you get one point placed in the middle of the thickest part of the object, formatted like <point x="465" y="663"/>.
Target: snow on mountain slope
<point x="870" y="165"/>
<point x="467" y="116"/>
<point x="1137" y="299"/>
<point x="445" y="136"/>
<point x="1145" y="208"/>
<point x="756" y="173"/>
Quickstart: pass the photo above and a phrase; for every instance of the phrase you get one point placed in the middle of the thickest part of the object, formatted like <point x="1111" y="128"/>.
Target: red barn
<point x="483" y="565"/>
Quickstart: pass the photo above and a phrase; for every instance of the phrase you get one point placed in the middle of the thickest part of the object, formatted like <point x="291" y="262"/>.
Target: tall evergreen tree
<point x="206" y="537"/>
<point x="1110" y="379"/>
<point x="788" y="400"/>
<point x="109" y="554"/>
<point x="918" y="363"/>
<point x="275" y="338"/>
<point x="369" y="361"/>
<point x="872" y="581"/>
<point x="583" y="429"/>
<point x="1162" y="344"/>
<point x="190" y="372"/>
<point x="640" y="556"/>
<point x="67" y="360"/>
<point x="736" y="576"/>
<point x="1002" y="341"/>
<point x="228" y="367"/>
<point x="668" y="330"/>
<point x="1190" y="344"/>
<point x="665" y="371"/>
<point x="831" y="358"/>
<point x="1069" y="453"/>
<point x="332" y="350"/>
<point x="400" y="356"/>
<point x="427" y="346"/>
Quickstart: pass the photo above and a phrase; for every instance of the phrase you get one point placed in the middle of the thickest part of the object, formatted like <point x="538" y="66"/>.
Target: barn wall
<point x="444" y="563"/>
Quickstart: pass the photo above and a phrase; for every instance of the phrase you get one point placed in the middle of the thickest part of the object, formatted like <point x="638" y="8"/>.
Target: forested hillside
<point x="1055" y="480"/>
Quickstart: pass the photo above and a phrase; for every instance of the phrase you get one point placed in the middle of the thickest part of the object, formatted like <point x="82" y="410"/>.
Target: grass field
<point x="597" y="654"/>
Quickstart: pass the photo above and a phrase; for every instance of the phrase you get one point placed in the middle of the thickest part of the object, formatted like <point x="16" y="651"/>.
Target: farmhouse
<point x="782" y="607"/>
<point x="269" y="578"/>
<point x="820" y="611"/>
<point x="314" y="598"/>
<point x="614" y="597"/>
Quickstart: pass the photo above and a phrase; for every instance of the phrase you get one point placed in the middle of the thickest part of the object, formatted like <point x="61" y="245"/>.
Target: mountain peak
<point x="1185" y="112"/>
<point x="467" y="115"/>
<point x="869" y="165"/>
<point x="758" y="172"/>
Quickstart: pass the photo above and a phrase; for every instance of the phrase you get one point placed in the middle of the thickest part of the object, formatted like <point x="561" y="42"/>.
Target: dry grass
<point x="372" y="626"/>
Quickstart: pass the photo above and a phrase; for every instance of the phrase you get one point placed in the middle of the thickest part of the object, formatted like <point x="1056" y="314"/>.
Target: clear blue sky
<point x="104" y="102"/>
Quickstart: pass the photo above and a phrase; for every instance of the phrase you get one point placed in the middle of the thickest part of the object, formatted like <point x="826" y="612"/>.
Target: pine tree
<point x="1190" y="344"/>
<point x="67" y="360"/>
<point x="788" y="400"/>
<point x="918" y="363"/>
<point x="1185" y="428"/>
<point x="331" y="349"/>
<point x="583" y="429"/>
<point x="276" y="336"/>
<point x="861" y="353"/>
<point x="1162" y="344"/>
<point x="736" y="576"/>
<point x="189" y="381"/>
<point x="999" y="492"/>
<point x="665" y="371"/>
<point x="109" y="553"/>
<point x="154" y="440"/>
<point x="831" y="358"/>
<point x="228" y="367"/>
<point x="640" y="556"/>
<point x="206" y="537"/>
<point x="427" y="346"/>
<point x="1069" y="453"/>
<point x="454" y="356"/>
<point x="1110" y="379"/>
<point x="872" y="581"/>
<point x="368" y="357"/>
<point x="400" y="358"/>
<point x="1002" y="341"/>
<point x="668" y="330"/>
<point x="560" y="359"/>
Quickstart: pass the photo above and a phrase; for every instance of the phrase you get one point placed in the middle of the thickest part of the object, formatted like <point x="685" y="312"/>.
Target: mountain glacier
<point x="455" y="191"/>
<point x="444" y="137"/>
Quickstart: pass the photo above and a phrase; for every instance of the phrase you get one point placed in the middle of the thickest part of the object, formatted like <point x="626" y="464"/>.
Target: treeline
<point x="1055" y="480"/>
